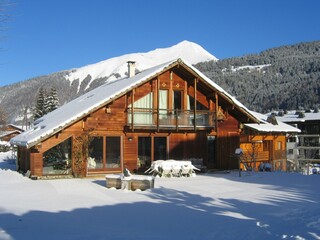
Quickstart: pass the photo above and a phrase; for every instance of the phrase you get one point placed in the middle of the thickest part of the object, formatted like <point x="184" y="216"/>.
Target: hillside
<point x="286" y="77"/>
<point x="20" y="98"/>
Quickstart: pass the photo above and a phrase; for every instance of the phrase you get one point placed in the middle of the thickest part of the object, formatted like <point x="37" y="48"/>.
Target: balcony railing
<point x="164" y="118"/>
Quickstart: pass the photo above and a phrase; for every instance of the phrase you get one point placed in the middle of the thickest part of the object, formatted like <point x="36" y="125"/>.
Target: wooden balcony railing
<point x="168" y="119"/>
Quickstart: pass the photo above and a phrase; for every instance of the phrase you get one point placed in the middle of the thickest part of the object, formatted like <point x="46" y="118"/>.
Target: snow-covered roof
<point x="78" y="108"/>
<point x="265" y="126"/>
<point x="6" y="133"/>
<point x="293" y="117"/>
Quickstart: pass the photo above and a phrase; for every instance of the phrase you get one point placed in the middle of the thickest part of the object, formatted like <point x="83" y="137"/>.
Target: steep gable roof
<point x="80" y="107"/>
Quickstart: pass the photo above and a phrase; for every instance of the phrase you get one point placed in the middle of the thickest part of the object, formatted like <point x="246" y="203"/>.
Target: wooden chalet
<point x="171" y="111"/>
<point x="266" y="143"/>
<point x="9" y="131"/>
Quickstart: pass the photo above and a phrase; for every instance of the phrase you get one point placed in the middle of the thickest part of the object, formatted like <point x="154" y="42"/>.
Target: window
<point x="279" y="145"/>
<point x="142" y="110"/>
<point x="104" y="153"/>
<point x="95" y="160"/>
<point x="113" y="152"/>
<point x="144" y="152"/>
<point x="57" y="160"/>
<point x="177" y="100"/>
<point x="160" y="148"/>
<point x="211" y="148"/>
<point x="190" y="104"/>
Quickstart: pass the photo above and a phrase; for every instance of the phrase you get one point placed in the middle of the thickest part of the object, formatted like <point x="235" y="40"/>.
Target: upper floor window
<point x="190" y="104"/>
<point x="177" y="100"/>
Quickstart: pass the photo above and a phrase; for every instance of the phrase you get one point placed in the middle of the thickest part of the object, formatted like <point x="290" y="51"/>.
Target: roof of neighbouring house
<point x="266" y="126"/>
<point x="80" y="107"/>
<point x="297" y="116"/>
<point x="7" y="133"/>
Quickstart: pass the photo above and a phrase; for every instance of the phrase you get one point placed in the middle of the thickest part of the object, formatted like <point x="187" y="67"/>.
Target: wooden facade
<point x="175" y="114"/>
<point x="9" y="131"/>
<point x="259" y="149"/>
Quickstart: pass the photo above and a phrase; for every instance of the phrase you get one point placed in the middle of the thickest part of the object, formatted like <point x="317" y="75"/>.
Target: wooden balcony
<point x="164" y="119"/>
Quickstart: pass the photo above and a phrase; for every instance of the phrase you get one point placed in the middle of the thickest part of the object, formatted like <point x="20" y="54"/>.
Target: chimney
<point x="131" y="68"/>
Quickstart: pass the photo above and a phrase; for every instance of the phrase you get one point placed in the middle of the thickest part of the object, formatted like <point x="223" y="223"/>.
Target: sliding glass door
<point x="104" y="153"/>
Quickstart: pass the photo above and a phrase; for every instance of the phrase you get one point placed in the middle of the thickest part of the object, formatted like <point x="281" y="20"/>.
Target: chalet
<point x="170" y="111"/>
<point x="266" y="142"/>
<point x="9" y="131"/>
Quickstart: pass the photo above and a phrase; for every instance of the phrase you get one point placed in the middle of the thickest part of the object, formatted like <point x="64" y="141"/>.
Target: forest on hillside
<point x="285" y="78"/>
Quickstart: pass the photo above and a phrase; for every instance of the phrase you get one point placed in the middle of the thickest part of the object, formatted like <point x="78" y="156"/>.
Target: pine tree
<point x="52" y="101"/>
<point x="40" y="108"/>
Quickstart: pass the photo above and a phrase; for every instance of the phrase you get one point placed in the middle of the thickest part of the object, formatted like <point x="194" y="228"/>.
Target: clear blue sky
<point x="46" y="36"/>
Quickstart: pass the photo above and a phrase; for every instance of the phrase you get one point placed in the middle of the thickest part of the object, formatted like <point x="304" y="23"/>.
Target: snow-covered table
<point x="172" y="168"/>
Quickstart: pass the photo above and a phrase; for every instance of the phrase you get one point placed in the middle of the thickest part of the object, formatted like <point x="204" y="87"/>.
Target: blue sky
<point x="46" y="36"/>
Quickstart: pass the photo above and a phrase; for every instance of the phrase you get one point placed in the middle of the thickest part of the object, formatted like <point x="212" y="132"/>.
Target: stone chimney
<point x="131" y="68"/>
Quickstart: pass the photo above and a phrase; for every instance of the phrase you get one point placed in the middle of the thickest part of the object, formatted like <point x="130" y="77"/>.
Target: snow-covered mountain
<point x="20" y="97"/>
<point x="117" y="67"/>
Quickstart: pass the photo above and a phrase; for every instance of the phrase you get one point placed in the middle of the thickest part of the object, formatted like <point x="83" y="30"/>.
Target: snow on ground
<point x="272" y="205"/>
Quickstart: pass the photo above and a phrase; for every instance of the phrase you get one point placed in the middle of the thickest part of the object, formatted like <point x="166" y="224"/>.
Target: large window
<point x="113" y="152"/>
<point x="57" y="160"/>
<point x="104" y="153"/>
<point x="95" y="160"/>
<point x="144" y="152"/>
<point x="160" y="148"/>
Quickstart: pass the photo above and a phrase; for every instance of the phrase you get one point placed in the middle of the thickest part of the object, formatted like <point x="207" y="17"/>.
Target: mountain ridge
<point x="116" y="66"/>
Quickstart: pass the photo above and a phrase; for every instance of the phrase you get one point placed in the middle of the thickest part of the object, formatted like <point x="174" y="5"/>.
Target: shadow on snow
<point x="173" y="214"/>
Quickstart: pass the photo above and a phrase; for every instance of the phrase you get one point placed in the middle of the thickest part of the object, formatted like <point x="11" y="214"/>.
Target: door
<point x="160" y="148"/>
<point x="144" y="153"/>
<point x="211" y="151"/>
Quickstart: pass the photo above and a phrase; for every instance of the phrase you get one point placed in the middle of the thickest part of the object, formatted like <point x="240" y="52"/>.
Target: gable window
<point x="142" y="110"/>
<point x="190" y="104"/>
<point x="163" y="103"/>
<point x="177" y="100"/>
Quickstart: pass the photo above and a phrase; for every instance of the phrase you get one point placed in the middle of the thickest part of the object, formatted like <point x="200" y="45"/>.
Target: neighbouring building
<point x="171" y="111"/>
<point x="303" y="149"/>
<point x="9" y="131"/>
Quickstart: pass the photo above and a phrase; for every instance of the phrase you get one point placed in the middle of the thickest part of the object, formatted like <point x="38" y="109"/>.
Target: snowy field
<point x="208" y="206"/>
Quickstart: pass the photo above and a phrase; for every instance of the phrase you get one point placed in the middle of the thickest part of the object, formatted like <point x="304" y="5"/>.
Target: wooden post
<point x="195" y="104"/>
<point x="132" y="110"/>
<point x="158" y="99"/>
<point x="216" y="113"/>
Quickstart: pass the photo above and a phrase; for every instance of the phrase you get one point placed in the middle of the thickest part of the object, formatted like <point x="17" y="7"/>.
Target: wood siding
<point x="265" y="149"/>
